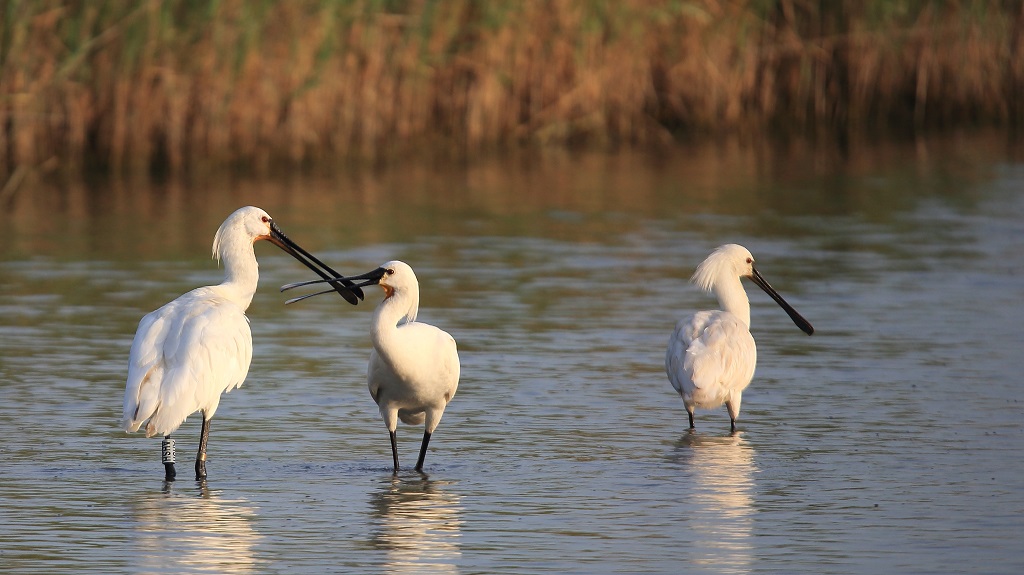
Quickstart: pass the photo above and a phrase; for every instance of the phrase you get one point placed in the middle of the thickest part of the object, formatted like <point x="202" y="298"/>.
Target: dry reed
<point x="175" y="85"/>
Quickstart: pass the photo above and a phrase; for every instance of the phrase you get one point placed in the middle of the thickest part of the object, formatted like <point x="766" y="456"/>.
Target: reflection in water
<point x="194" y="531"/>
<point x="720" y="497"/>
<point x="419" y="528"/>
<point x="555" y="341"/>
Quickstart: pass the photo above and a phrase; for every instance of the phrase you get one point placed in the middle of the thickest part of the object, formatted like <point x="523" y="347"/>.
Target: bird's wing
<point x="376" y="372"/>
<point x="216" y="344"/>
<point x="450" y="362"/>
<point x="145" y="369"/>
<point x="437" y="348"/>
<point x="201" y="346"/>
<point x="676" y="363"/>
<point x="722" y="355"/>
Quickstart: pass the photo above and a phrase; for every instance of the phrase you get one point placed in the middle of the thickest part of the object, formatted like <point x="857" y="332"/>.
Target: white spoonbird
<point x="711" y="356"/>
<point x="193" y="349"/>
<point x="414" y="366"/>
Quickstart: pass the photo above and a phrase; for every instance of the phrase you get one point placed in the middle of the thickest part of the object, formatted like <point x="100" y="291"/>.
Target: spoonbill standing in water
<point x="711" y="355"/>
<point x="414" y="366"/>
<point x="193" y="349"/>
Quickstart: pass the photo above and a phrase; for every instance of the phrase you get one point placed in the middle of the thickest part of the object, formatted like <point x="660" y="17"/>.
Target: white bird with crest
<point x="414" y="367"/>
<point x="711" y="356"/>
<point x="193" y="349"/>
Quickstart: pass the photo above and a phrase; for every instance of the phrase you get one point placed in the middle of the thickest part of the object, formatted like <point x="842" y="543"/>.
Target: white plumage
<point x="184" y="356"/>
<point x="711" y="356"/>
<point x="414" y="367"/>
<point x="195" y="348"/>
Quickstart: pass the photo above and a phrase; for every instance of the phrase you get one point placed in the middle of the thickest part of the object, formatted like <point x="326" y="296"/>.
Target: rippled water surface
<point x="890" y="441"/>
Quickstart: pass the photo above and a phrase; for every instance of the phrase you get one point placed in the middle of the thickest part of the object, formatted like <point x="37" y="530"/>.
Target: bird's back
<point x="184" y="356"/>
<point x="710" y="355"/>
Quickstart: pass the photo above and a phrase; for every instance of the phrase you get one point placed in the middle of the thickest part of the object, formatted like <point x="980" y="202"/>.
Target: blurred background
<point x="174" y="87"/>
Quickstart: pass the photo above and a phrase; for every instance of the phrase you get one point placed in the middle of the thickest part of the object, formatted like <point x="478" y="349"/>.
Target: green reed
<point x="176" y="85"/>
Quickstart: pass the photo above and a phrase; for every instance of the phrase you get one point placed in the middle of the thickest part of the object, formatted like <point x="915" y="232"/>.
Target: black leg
<point x="167" y="455"/>
<point x="690" y="414"/>
<point x="423" y="451"/>
<point x="204" y="437"/>
<point x="394" y="449"/>
<point x="732" y="425"/>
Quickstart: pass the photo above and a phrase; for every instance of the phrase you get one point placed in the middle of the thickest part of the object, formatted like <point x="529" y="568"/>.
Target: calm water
<point x="890" y="441"/>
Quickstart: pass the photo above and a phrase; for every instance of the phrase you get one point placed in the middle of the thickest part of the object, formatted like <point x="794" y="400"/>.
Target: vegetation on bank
<point x="135" y="86"/>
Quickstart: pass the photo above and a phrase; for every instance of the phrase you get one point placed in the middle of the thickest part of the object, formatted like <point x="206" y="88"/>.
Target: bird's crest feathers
<point x="726" y="260"/>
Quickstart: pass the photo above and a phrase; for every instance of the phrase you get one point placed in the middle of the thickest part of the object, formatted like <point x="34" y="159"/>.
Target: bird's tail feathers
<point x="130" y="425"/>
<point x="135" y="414"/>
<point x="166" y="406"/>
<point x="411" y="417"/>
<point x="164" y="422"/>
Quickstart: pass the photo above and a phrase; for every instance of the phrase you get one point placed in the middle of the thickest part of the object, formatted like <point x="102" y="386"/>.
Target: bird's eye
<point x="390" y="271"/>
<point x="265" y="219"/>
<point x="750" y="260"/>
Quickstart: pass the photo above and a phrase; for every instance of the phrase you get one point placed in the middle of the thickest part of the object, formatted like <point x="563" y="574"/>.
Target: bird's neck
<point x="392" y="313"/>
<point x="733" y="299"/>
<point x="241" y="273"/>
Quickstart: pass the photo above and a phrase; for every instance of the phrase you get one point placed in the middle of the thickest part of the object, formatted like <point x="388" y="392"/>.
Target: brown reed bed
<point x="174" y="85"/>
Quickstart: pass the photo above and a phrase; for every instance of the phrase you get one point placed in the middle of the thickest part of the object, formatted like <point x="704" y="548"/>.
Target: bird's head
<point x="248" y="225"/>
<point x="397" y="277"/>
<point x="734" y="261"/>
<point x="730" y="260"/>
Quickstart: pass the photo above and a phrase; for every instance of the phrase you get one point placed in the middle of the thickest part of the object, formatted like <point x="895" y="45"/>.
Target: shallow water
<point x="890" y="441"/>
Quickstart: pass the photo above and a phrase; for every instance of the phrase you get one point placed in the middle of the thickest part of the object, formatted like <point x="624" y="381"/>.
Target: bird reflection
<point x="194" y="530"/>
<point x="420" y="526"/>
<point x="719" y="499"/>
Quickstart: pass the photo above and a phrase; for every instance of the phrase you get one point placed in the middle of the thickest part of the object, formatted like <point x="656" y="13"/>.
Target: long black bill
<point x="367" y="279"/>
<point x="344" y="287"/>
<point x="798" y="319"/>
